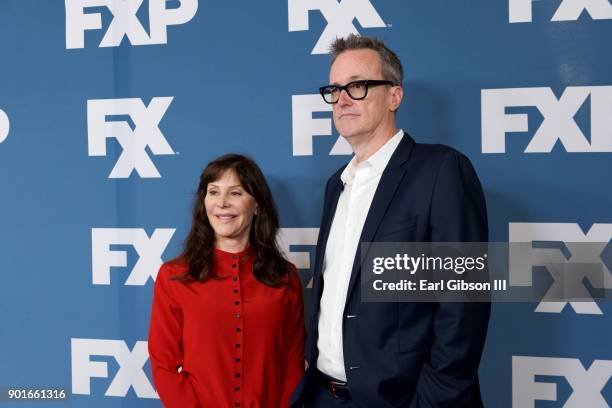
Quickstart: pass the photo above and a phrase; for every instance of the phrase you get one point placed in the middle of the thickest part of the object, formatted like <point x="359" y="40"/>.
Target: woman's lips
<point x="225" y="217"/>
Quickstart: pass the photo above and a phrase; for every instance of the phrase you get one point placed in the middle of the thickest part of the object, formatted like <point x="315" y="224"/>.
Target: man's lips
<point x="348" y="115"/>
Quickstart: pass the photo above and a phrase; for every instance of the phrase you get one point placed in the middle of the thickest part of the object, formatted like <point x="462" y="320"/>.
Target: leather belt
<point x="339" y="389"/>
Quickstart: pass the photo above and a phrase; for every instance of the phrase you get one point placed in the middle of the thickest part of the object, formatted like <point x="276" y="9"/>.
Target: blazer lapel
<point x="389" y="182"/>
<point x="329" y="210"/>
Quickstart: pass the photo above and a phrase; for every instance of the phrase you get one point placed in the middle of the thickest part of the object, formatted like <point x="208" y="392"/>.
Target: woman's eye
<point x="236" y="193"/>
<point x="212" y="192"/>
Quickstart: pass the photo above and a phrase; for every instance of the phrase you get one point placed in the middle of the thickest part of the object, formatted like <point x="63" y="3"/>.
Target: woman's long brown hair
<point x="270" y="266"/>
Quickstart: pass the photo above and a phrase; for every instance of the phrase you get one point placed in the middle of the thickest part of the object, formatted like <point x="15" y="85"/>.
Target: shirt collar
<point x="225" y="256"/>
<point x="378" y="161"/>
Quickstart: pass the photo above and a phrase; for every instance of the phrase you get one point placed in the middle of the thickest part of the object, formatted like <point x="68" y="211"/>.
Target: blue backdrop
<point x="110" y="109"/>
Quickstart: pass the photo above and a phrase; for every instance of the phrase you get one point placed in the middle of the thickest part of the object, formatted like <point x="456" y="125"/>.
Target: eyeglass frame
<point x="367" y="82"/>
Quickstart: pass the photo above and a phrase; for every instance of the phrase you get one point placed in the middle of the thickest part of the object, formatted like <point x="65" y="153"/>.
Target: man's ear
<point x="397" y="94"/>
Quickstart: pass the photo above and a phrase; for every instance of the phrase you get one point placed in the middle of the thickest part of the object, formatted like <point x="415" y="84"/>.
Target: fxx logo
<point x="105" y="256"/>
<point x="573" y="254"/>
<point x="521" y="11"/>
<point x="129" y="374"/>
<point x="134" y="142"/>
<point x="558" y="124"/>
<point x="339" y="16"/>
<point x="586" y="383"/>
<point x="4" y="126"/>
<point x="305" y="126"/>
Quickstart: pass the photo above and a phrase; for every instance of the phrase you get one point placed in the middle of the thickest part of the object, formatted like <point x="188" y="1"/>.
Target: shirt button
<point x="237" y="359"/>
<point x="237" y="388"/>
<point x="235" y="290"/>
<point x="238" y="329"/>
<point x="236" y="303"/>
<point x="234" y="257"/>
<point x="235" y="278"/>
<point x="237" y="345"/>
<point x="237" y="315"/>
<point x="234" y="265"/>
<point x="237" y="375"/>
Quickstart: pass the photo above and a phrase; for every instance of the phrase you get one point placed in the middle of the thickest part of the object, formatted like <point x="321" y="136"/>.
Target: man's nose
<point x="344" y="98"/>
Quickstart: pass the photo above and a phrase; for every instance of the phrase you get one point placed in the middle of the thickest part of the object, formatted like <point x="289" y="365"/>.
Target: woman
<point x="227" y="326"/>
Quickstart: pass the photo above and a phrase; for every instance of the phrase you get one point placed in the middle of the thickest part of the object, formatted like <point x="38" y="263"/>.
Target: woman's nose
<point x="223" y="201"/>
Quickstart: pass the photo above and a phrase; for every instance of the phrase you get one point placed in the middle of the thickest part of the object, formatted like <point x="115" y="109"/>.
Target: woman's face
<point x="229" y="209"/>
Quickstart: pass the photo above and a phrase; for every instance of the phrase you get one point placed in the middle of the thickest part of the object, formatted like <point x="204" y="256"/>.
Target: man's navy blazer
<point x="410" y="354"/>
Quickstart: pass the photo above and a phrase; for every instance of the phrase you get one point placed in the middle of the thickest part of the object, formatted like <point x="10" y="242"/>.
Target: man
<point x="393" y="190"/>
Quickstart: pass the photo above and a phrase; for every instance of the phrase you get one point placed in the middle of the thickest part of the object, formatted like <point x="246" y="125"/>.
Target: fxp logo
<point x="339" y="17"/>
<point x="4" y="126"/>
<point x="133" y="141"/>
<point x="125" y="22"/>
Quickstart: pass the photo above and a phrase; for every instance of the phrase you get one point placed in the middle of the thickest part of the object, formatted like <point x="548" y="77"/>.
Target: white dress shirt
<point x="360" y="183"/>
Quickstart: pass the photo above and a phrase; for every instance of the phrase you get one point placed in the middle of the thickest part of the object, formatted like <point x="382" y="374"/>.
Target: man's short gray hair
<point x="390" y="64"/>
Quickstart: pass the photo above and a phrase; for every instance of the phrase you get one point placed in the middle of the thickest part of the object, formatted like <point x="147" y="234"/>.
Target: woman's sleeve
<point x="295" y="337"/>
<point x="165" y="347"/>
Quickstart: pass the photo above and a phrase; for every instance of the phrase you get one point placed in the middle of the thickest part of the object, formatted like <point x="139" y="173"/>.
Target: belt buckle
<point x="334" y="393"/>
<point x="333" y="389"/>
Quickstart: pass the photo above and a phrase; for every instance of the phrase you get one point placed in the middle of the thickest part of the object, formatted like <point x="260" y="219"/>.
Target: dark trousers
<point x="317" y="396"/>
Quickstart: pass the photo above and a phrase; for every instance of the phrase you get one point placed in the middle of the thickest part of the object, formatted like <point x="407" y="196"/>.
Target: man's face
<point x="359" y="120"/>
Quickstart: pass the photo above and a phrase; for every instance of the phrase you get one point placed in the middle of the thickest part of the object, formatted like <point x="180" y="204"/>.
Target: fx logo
<point x="339" y="16"/>
<point x="558" y="123"/>
<point x="4" y="126"/>
<point x="133" y="141"/>
<point x="520" y="11"/>
<point x="130" y="373"/>
<point x="149" y="250"/>
<point x="572" y="239"/>
<point x="305" y="127"/>
<point x="124" y="21"/>
<point x="586" y="383"/>
<point x="287" y="237"/>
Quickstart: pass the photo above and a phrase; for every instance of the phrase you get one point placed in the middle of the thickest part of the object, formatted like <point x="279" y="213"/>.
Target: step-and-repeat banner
<point x="109" y="110"/>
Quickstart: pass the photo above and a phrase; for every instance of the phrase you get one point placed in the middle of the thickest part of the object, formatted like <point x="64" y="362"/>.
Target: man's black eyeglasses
<point x="355" y="90"/>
